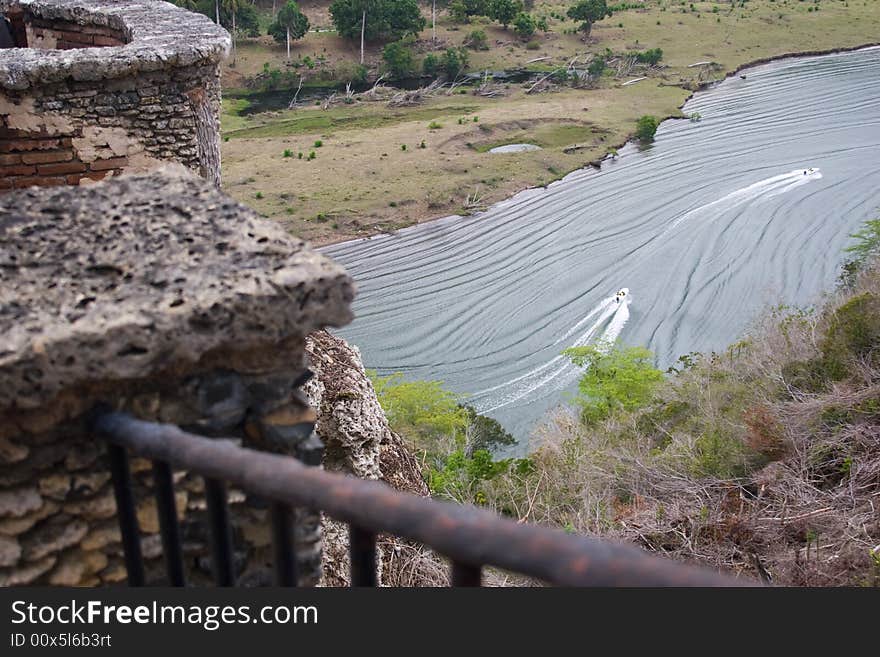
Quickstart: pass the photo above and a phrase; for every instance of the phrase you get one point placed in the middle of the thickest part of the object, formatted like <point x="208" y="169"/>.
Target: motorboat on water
<point x="622" y="294"/>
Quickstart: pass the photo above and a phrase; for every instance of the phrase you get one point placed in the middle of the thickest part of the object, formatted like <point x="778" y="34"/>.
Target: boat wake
<point x="759" y="191"/>
<point x="604" y="324"/>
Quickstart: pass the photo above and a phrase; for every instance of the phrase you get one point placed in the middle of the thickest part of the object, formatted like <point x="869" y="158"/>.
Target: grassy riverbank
<point x="377" y="168"/>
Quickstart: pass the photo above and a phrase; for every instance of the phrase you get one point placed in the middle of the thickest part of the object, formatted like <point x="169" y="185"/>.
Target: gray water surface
<point x="710" y="225"/>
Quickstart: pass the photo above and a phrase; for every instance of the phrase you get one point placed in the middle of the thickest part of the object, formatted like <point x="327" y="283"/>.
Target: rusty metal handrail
<point x="471" y="537"/>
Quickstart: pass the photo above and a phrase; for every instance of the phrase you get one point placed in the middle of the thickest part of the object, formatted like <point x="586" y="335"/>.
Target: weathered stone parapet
<point x="158" y="295"/>
<point x="102" y="87"/>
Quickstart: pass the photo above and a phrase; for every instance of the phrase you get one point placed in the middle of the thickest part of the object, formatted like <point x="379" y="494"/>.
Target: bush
<point x="431" y="65"/>
<point x="533" y="45"/>
<point x="318" y="143"/>
<point x="424" y="413"/>
<point x="646" y="128"/>
<point x="398" y="59"/>
<point x="455" y="61"/>
<point x="651" y="57"/>
<point x="288" y="152"/>
<point x="597" y="66"/>
<point x="477" y="40"/>
<point x="615" y="379"/>
<point x="524" y="25"/>
<point x="867" y="247"/>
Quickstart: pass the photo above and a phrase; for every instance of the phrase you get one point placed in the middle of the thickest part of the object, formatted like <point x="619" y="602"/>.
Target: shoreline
<point x="596" y="164"/>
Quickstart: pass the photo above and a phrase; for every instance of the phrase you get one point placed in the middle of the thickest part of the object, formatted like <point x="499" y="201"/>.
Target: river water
<point x="717" y="220"/>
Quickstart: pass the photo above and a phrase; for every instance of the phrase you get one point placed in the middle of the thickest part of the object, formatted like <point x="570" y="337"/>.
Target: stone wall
<point x="158" y="295"/>
<point x="107" y="87"/>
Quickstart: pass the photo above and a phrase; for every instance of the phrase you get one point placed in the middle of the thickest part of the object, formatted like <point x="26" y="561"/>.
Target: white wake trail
<point x="615" y="326"/>
<point x="558" y="366"/>
<point x="763" y="188"/>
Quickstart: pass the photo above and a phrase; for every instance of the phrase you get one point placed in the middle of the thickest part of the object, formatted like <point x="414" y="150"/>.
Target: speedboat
<point x="622" y="294"/>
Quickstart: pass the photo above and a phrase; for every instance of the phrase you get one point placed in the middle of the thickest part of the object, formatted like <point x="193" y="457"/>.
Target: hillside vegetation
<point x="763" y="460"/>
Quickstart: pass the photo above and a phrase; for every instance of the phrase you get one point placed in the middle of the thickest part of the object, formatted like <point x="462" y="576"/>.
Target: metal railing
<point x="470" y="537"/>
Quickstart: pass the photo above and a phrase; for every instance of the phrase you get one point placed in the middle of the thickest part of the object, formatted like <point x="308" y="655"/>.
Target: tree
<point x="504" y="11"/>
<point x="423" y="412"/>
<point x="376" y="19"/>
<point x="455" y="61"/>
<point x="477" y="40"/>
<point x="622" y="378"/>
<point x="588" y="12"/>
<point x="596" y="66"/>
<point x="289" y="23"/>
<point x="646" y="128"/>
<point x="430" y="65"/>
<point x="524" y="25"/>
<point x="398" y="59"/>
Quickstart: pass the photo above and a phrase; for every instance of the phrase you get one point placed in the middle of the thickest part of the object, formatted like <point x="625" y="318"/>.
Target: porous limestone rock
<point x="150" y="272"/>
<point x="358" y="441"/>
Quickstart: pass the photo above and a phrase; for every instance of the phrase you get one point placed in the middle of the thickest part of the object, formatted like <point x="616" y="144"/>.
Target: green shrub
<point x="646" y="128"/>
<point x="433" y="125"/>
<point x="651" y="57"/>
<point x="853" y="335"/>
<point x="454" y="62"/>
<point x="524" y="25"/>
<point x="614" y="379"/>
<point x="398" y="59"/>
<point x="431" y="64"/>
<point x="318" y="143"/>
<point x="477" y="40"/>
<point x="288" y="152"/>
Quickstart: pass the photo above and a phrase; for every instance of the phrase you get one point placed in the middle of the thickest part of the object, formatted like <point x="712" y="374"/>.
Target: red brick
<point x="93" y="175"/>
<point x="62" y="167"/>
<point x="12" y="158"/>
<point x="76" y="37"/>
<point x="6" y="183"/>
<point x="107" y="41"/>
<point x="68" y="45"/>
<point x="105" y="31"/>
<point x="46" y="156"/>
<point x="110" y="163"/>
<point x="18" y="145"/>
<point x="39" y="181"/>
<point x="17" y="170"/>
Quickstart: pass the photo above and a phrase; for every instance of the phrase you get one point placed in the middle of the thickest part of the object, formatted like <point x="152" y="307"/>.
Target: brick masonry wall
<point x="64" y="35"/>
<point x="75" y="131"/>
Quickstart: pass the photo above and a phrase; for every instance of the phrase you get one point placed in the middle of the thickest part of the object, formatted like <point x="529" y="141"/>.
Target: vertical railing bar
<point x="464" y="574"/>
<point x="128" y="524"/>
<point x="221" y="532"/>
<point x="362" y="551"/>
<point x="282" y="541"/>
<point x="167" y="509"/>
